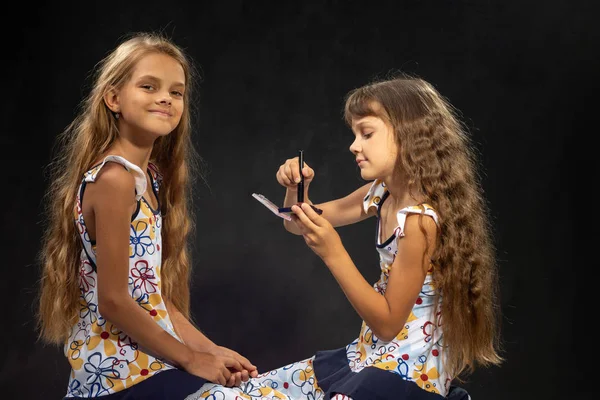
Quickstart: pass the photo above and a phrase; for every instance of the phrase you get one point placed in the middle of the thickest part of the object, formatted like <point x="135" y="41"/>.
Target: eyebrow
<point x="361" y="124"/>
<point x="152" y="77"/>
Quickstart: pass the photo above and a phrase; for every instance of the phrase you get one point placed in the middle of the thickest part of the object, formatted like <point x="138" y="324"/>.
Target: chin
<point x="366" y="176"/>
<point x="159" y="134"/>
<point x="161" y="131"/>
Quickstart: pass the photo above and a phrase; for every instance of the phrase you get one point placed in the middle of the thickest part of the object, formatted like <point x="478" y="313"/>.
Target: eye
<point x="177" y="93"/>
<point x="366" y="135"/>
<point x="147" y="87"/>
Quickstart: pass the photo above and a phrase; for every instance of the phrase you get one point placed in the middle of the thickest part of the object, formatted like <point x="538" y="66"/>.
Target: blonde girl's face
<point x="374" y="147"/>
<point x="151" y="102"/>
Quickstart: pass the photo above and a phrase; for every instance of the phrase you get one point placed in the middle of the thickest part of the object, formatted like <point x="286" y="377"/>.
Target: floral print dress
<point x="104" y="360"/>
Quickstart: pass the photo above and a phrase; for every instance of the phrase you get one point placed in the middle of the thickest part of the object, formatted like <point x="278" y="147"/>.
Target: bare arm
<point x="388" y="314"/>
<point x="112" y="200"/>
<point x="190" y="335"/>
<point x="346" y="210"/>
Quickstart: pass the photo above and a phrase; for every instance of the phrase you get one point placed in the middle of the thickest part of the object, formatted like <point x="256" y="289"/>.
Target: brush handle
<point x="301" y="183"/>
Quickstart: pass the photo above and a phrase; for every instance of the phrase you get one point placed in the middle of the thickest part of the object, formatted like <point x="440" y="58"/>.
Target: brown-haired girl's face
<point x="374" y="147"/>
<point x="151" y="102"/>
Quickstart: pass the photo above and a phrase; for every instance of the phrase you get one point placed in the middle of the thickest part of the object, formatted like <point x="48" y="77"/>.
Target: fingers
<point x="230" y="381"/>
<point x="293" y="170"/>
<point x="234" y="380"/>
<point x="245" y="374"/>
<point x="232" y="363"/>
<point x="288" y="174"/>
<point x="254" y="373"/>
<point x="303" y="229"/>
<point x="223" y="377"/>
<point x="228" y="375"/>
<point x="308" y="173"/>
<point x="303" y="218"/>
<point x="283" y="176"/>
<point x="246" y="364"/>
<point x="312" y="214"/>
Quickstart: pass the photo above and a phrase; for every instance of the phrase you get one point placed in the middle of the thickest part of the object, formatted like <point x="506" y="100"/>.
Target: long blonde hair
<point x="437" y="157"/>
<point x="90" y="135"/>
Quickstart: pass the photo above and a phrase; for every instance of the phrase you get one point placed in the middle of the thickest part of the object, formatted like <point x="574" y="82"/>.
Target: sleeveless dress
<point x="104" y="360"/>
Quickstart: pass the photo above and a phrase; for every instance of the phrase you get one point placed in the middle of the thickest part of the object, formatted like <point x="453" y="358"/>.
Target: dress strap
<point x="375" y="195"/>
<point x="424" y="209"/>
<point x="138" y="174"/>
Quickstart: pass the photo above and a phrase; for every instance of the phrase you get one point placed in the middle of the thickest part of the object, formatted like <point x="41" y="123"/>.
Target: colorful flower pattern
<point x="416" y="353"/>
<point x="104" y="359"/>
<point x="292" y="382"/>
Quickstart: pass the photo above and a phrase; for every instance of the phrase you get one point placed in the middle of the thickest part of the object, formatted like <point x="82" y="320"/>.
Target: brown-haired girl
<point x="432" y="315"/>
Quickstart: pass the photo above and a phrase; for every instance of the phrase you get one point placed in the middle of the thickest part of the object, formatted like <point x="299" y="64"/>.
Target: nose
<point x="164" y="99"/>
<point x="354" y="146"/>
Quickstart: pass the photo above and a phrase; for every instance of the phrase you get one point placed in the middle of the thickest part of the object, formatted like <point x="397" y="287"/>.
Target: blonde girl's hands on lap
<point x="248" y="370"/>
<point x="214" y="368"/>
<point x="288" y="174"/>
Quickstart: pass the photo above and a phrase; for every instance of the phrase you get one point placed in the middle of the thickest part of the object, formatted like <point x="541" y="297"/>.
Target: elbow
<point x="387" y="327"/>
<point x="386" y="335"/>
<point x="109" y="305"/>
<point x="387" y="332"/>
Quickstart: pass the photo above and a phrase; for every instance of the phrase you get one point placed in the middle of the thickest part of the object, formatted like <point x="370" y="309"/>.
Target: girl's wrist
<point x="207" y="348"/>
<point x="335" y="256"/>
<point x="202" y="347"/>
<point x="185" y="358"/>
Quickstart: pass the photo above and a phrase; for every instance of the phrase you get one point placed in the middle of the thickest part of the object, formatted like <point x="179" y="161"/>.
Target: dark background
<point x="273" y="81"/>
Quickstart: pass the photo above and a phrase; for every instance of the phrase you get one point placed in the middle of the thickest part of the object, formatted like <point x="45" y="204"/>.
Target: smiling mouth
<point x="163" y="113"/>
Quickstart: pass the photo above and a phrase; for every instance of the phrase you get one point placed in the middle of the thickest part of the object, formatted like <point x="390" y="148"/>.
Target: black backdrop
<point x="273" y="81"/>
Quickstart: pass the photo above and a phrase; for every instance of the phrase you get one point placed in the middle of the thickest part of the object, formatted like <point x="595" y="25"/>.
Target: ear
<point x="111" y="99"/>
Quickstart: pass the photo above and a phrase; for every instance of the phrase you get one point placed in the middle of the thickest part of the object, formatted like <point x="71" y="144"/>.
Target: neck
<point x="400" y="194"/>
<point x="132" y="152"/>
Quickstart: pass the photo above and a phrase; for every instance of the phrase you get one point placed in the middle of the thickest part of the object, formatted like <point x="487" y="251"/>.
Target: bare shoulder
<point x="114" y="184"/>
<point x="421" y="225"/>
<point x="116" y="177"/>
<point x="418" y="243"/>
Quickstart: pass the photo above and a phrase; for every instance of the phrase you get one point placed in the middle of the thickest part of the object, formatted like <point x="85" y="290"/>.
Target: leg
<point x="211" y="391"/>
<point x="295" y="380"/>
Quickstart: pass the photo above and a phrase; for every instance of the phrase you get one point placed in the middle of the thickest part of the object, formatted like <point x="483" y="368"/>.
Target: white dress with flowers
<point x="416" y="353"/>
<point x="103" y="359"/>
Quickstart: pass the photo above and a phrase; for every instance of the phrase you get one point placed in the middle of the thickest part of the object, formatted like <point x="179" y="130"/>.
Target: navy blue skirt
<point x="174" y="384"/>
<point x="334" y="376"/>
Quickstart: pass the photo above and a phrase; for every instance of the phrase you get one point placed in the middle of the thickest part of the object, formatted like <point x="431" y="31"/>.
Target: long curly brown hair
<point x="437" y="156"/>
<point x="91" y="134"/>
